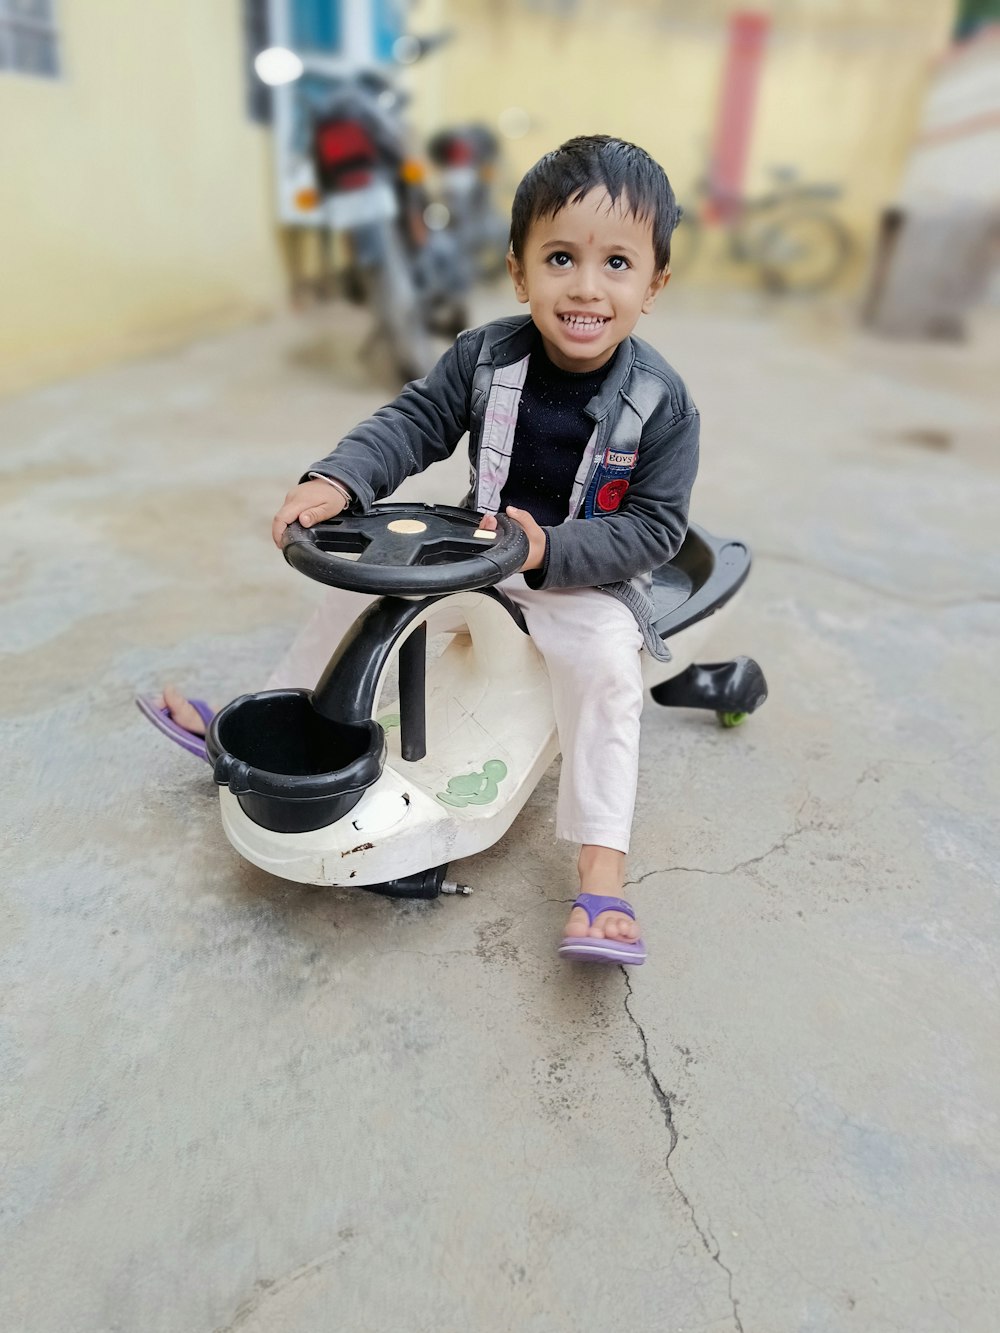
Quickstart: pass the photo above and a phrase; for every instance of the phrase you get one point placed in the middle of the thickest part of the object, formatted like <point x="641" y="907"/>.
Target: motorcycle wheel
<point x="399" y="311"/>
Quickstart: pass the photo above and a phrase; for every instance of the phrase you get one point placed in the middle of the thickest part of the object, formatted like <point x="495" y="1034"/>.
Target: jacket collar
<point x="517" y="338"/>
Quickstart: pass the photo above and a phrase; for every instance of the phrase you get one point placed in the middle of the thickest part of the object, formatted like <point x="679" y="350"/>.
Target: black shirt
<point x="549" y="439"/>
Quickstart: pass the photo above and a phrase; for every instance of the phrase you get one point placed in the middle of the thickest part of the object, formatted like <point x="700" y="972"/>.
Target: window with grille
<point x="313" y="27"/>
<point x="29" y="43"/>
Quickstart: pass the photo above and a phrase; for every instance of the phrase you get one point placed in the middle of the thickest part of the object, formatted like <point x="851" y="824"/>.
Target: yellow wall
<point x="135" y="194"/>
<point x="136" y="198"/>
<point x="840" y="95"/>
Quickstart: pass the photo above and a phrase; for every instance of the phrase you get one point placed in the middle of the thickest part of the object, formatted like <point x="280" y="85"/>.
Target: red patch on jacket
<point x="611" y="494"/>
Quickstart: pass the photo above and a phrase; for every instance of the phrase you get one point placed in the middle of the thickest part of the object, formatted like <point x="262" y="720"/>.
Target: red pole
<point x="734" y="120"/>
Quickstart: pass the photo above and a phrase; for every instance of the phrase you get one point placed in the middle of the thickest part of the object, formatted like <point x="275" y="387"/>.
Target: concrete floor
<point x="229" y="1103"/>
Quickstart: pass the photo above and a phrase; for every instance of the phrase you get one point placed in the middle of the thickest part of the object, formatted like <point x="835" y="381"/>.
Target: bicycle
<point x="798" y="246"/>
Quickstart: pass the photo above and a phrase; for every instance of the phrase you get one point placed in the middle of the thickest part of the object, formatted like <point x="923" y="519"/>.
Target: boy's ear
<point x="655" y="287"/>
<point x="517" y="277"/>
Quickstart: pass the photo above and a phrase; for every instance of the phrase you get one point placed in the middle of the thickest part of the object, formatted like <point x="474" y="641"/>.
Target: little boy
<point x="585" y="437"/>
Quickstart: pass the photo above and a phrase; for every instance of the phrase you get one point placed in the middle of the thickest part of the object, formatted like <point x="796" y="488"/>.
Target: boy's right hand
<point x="310" y="502"/>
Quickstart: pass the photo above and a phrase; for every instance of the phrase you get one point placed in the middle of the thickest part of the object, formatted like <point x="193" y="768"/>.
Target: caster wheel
<point x="731" y="719"/>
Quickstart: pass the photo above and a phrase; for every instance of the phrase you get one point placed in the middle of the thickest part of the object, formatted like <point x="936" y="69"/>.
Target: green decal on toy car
<point x="475" y="788"/>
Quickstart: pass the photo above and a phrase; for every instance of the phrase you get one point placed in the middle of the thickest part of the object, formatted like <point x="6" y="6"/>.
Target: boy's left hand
<point x="535" y="535"/>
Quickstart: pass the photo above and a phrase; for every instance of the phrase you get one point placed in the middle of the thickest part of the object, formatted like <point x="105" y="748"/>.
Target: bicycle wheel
<point x="802" y="252"/>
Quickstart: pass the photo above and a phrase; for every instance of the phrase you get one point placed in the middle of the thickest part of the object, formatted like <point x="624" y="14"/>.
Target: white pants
<point x="590" y="643"/>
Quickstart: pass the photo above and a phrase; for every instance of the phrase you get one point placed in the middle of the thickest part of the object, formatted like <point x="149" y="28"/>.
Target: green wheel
<point x="731" y="719"/>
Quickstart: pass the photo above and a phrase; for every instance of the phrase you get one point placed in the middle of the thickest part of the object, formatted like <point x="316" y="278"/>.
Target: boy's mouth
<point x="583" y="323"/>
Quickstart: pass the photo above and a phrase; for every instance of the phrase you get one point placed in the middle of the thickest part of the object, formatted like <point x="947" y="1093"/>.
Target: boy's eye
<point x="560" y="259"/>
<point x="618" y="262"/>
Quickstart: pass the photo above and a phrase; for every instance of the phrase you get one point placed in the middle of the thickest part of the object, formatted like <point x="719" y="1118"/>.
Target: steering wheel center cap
<point x="406" y="525"/>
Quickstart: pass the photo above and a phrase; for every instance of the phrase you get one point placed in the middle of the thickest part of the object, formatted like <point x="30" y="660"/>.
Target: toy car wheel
<point x="731" y="719"/>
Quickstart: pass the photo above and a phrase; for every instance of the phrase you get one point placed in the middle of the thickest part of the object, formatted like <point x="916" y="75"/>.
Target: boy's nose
<point x="586" y="286"/>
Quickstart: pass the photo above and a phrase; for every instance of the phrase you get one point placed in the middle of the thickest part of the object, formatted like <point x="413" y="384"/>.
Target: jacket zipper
<point x="592" y="471"/>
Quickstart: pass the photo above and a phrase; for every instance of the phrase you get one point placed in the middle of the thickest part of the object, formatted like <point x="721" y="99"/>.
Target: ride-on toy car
<point x="317" y="786"/>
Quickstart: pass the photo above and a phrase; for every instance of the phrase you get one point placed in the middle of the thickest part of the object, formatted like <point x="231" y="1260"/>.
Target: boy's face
<point x="587" y="273"/>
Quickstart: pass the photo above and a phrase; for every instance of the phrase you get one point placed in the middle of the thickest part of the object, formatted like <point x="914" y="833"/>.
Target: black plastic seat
<point x="703" y="575"/>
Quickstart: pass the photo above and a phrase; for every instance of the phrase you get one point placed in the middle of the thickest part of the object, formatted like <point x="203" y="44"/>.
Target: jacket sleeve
<point x="644" y="533"/>
<point x="419" y="427"/>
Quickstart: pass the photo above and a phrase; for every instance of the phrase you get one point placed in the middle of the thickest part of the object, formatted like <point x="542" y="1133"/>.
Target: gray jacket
<point x="629" y="504"/>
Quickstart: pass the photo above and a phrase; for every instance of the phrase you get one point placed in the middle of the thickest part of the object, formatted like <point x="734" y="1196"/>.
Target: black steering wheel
<point x="407" y="549"/>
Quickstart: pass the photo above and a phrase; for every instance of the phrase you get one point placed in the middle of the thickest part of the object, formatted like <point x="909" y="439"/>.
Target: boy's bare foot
<point x="184" y="713"/>
<point x="602" y="870"/>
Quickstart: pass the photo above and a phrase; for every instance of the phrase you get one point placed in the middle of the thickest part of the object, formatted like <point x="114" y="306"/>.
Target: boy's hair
<point x="595" y="161"/>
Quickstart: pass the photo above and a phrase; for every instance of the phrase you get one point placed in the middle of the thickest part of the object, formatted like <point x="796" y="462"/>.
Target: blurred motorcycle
<point x="468" y="160"/>
<point x="403" y="259"/>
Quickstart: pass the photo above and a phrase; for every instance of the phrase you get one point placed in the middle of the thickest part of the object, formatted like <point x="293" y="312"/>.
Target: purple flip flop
<point x="589" y="949"/>
<point x="162" y="721"/>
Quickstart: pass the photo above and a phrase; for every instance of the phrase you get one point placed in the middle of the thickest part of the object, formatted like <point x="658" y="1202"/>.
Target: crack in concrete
<point x="730" y="870"/>
<point x="912" y="599"/>
<point x="266" y="1288"/>
<point x="779" y="846"/>
<point x="665" y="1102"/>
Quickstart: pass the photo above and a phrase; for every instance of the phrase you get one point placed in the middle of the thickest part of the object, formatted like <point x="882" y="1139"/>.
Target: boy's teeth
<point x="584" y="321"/>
